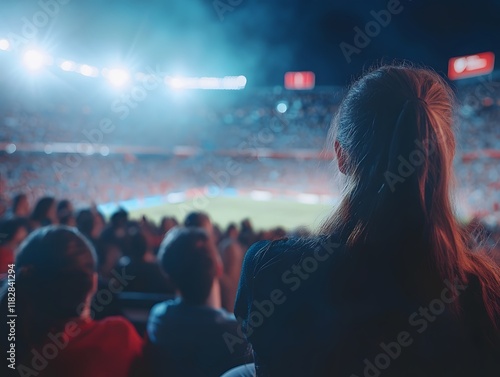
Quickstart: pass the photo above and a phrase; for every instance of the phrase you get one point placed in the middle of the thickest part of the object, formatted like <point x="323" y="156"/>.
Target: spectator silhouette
<point x="20" y="206"/>
<point x="148" y="277"/>
<point x="192" y="335"/>
<point x="44" y="213"/>
<point x="55" y="281"/>
<point x="65" y="213"/>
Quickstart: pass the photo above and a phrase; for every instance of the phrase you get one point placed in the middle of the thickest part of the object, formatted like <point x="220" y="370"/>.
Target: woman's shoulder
<point x="267" y="253"/>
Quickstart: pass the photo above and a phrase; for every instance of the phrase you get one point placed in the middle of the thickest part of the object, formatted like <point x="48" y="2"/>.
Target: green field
<point x="263" y="214"/>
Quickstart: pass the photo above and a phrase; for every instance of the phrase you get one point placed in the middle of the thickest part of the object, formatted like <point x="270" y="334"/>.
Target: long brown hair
<point x="395" y="132"/>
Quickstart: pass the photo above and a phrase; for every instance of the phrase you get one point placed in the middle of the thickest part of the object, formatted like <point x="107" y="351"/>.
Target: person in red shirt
<point x="55" y="334"/>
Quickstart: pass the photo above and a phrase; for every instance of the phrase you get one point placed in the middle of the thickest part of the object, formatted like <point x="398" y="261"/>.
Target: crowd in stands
<point x="200" y="122"/>
<point x="117" y="178"/>
<point x="247" y="121"/>
<point x="229" y="123"/>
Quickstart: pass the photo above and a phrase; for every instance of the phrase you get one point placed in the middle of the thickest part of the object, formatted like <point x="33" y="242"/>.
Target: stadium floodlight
<point x="67" y="65"/>
<point x="10" y="148"/>
<point x="104" y="150"/>
<point x="89" y="71"/>
<point x="208" y="83"/>
<point x="281" y="107"/>
<point x="117" y="76"/>
<point x="233" y="83"/>
<point x="175" y="82"/>
<point x="35" y="59"/>
<point x="241" y="81"/>
<point x="4" y="44"/>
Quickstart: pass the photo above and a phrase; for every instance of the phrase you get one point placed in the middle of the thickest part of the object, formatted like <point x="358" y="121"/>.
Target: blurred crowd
<point x="258" y="122"/>
<point x="119" y="239"/>
<point x="208" y="124"/>
<point x="181" y="275"/>
<point x="116" y="178"/>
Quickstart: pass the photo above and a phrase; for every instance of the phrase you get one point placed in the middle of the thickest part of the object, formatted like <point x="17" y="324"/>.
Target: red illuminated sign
<point x="299" y="80"/>
<point x="470" y="66"/>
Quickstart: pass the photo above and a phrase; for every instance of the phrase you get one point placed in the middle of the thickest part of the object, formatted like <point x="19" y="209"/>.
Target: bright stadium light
<point x="89" y="71"/>
<point x="208" y="83"/>
<point x="176" y="83"/>
<point x="117" y="77"/>
<point x="4" y="44"/>
<point x="241" y="81"/>
<point x="67" y="65"/>
<point x="104" y="151"/>
<point x="35" y="59"/>
<point x="10" y="148"/>
<point x="281" y="107"/>
<point x="233" y="83"/>
<point x="211" y="83"/>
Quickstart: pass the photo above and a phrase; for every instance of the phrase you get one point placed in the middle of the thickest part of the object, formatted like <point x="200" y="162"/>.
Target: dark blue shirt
<point x="309" y="307"/>
<point x="194" y="340"/>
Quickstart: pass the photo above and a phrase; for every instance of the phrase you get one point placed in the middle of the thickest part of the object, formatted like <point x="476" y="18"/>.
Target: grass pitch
<point x="263" y="214"/>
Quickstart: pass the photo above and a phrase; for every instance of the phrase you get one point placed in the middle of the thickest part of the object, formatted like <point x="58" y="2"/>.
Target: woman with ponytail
<point x="55" y="334"/>
<point x="390" y="287"/>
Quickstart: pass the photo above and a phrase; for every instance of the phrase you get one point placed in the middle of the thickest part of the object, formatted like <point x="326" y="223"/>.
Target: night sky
<point x="257" y="38"/>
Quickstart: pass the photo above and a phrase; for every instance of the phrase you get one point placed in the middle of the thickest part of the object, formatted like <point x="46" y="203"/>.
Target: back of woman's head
<point x="54" y="275"/>
<point x="395" y="143"/>
<point x="394" y="140"/>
